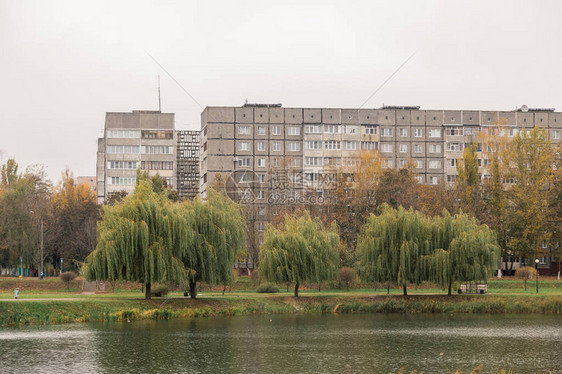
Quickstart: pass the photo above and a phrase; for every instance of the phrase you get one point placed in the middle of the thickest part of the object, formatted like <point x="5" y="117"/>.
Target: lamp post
<point x="537" y="270"/>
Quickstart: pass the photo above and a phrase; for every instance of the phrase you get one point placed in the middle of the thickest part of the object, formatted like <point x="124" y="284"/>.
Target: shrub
<point x="346" y="276"/>
<point x="67" y="277"/>
<point x="267" y="288"/>
<point x="525" y="273"/>
<point x="159" y="291"/>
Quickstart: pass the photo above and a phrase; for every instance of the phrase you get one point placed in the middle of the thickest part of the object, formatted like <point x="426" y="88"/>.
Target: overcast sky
<point x="65" y="63"/>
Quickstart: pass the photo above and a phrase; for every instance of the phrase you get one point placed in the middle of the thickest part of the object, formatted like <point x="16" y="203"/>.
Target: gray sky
<point x="65" y="63"/>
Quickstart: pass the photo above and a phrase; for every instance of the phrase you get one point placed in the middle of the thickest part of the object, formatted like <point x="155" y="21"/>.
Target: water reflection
<point x="290" y="344"/>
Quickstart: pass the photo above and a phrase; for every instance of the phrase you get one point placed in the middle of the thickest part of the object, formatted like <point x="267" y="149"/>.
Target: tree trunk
<point x="318" y="287"/>
<point x="224" y="289"/>
<point x="147" y="292"/>
<point x="192" y="289"/>
<point x="297" y="289"/>
<point x="388" y="288"/>
<point x="347" y="285"/>
<point x="525" y="284"/>
<point x="405" y="290"/>
<point x="450" y="288"/>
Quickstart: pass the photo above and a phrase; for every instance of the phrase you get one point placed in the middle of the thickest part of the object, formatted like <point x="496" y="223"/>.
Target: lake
<point x="313" y="343"/>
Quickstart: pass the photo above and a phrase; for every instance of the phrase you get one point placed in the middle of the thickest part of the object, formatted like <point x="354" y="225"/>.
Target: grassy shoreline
<point x="45" y="312"/>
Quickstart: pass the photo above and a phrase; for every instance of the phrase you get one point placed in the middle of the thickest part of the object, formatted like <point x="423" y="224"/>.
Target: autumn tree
<point x="529" y="222"/>
<point x="398" y="188"/>
<point x="301" y="250"/>
<point x="71" y="227"/>
<point x="468" y="186"/>
<point x="23" y="201"/>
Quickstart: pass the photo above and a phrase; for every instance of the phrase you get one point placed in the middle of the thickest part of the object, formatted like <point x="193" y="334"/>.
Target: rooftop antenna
<point x="159" y="100"/>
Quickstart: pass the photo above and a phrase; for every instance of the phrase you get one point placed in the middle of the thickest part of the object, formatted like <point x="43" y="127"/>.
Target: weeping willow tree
<point x="392" y="244"/>
<point x="301" y="250"/>
<point x="135" y="241"/>
<point x="209" y="236"/>
<point x="464" y="251"/>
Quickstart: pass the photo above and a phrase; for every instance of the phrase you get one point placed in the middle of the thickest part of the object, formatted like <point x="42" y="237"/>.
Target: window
<point x="244" y="146"/>
<point x="313" y="144"/>
<point x="403" y="132"/>
<point x="452" y="162"/>
<point x="276" y="130"/>
<point x="123" y="134"/>
<point x="434" y="148"/>
<point x="292" y="131"/>
<point x="370" y="130"/>
<point x="122" y="164"/>
<point x="276" y="147"/>
<point x="451" y="178"/>
<point x="369" y="146"/>
<point x="261" y="130"/>
<point x="261" y="146"/>
<point x="388" y="164"/>
<point x="386" y="131"/>
<point x="313" y="129"/>
<point x="418" y="133"/>
<point x="261" y="211"/>
<point x="244" y="130"/>
<point x="332" y="161"/>
<point x="157" y="165"/>
<point x="261" y="178"/>
<point x="454" y="147"/>
<point x="434" y="180"/>
<point x="261" y="194"/>
<point x="313" y="161"/>
<point x="244" y="162"/>
<point x="350" y="145"/>
<point x="419" y="164"/>
<point x="157" y="134"/>
<point x="332" y="144"/>
<point x="293" y="147"/>
<point x="419" y="178"/>
<point x="454" y="131"/>
<point x="403" y="148"/>
<point x="296" y="162"/>
<point x="555" y="134"/>
<point x="332" y="129"/>
<point x="434" y="164"/>
<point x="261" y="162"/>
<point x="418" y="148"/>
<point x="351" y="129"/>
<point x="469" y="131"/>
<point x="434" y="133"/>
<point x="157" y="149"/>
<point x="401" y="163"/>
<point x="123" y="181"/>
<point x="387" y="148"/>
<point x="123" y="149"/>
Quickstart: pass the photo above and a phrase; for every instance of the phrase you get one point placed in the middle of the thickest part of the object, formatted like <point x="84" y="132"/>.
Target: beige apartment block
<point x="143" y="140"/>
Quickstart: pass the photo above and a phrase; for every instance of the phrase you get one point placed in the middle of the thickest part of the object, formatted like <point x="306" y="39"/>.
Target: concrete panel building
<point x="140" y="139"/>
<point x="272" y="156"/>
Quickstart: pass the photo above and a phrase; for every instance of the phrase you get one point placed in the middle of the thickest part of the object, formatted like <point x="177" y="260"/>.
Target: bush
<point x="346" y="276"/>
<point x="159" y="291"/>
<point x="526" y="273"/>
<point x="267" y="288"/>
<point x="67" y="277"/>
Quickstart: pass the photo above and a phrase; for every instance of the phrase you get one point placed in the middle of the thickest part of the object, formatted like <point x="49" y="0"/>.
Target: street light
<point x="537" y="269"/>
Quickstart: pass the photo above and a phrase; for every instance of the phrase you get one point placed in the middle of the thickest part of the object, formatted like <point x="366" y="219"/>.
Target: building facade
<point x="143" y="140"/>
<point x="268" y="156"/>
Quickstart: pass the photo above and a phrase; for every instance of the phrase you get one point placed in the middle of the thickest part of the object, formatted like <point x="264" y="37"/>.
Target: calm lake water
<point x="365" y="343"/>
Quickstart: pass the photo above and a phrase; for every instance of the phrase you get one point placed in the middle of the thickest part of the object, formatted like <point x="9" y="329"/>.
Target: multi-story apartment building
<point x="138" y="140"/>
<point x="187" y="163"/>
<point x="270" y="156"/>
